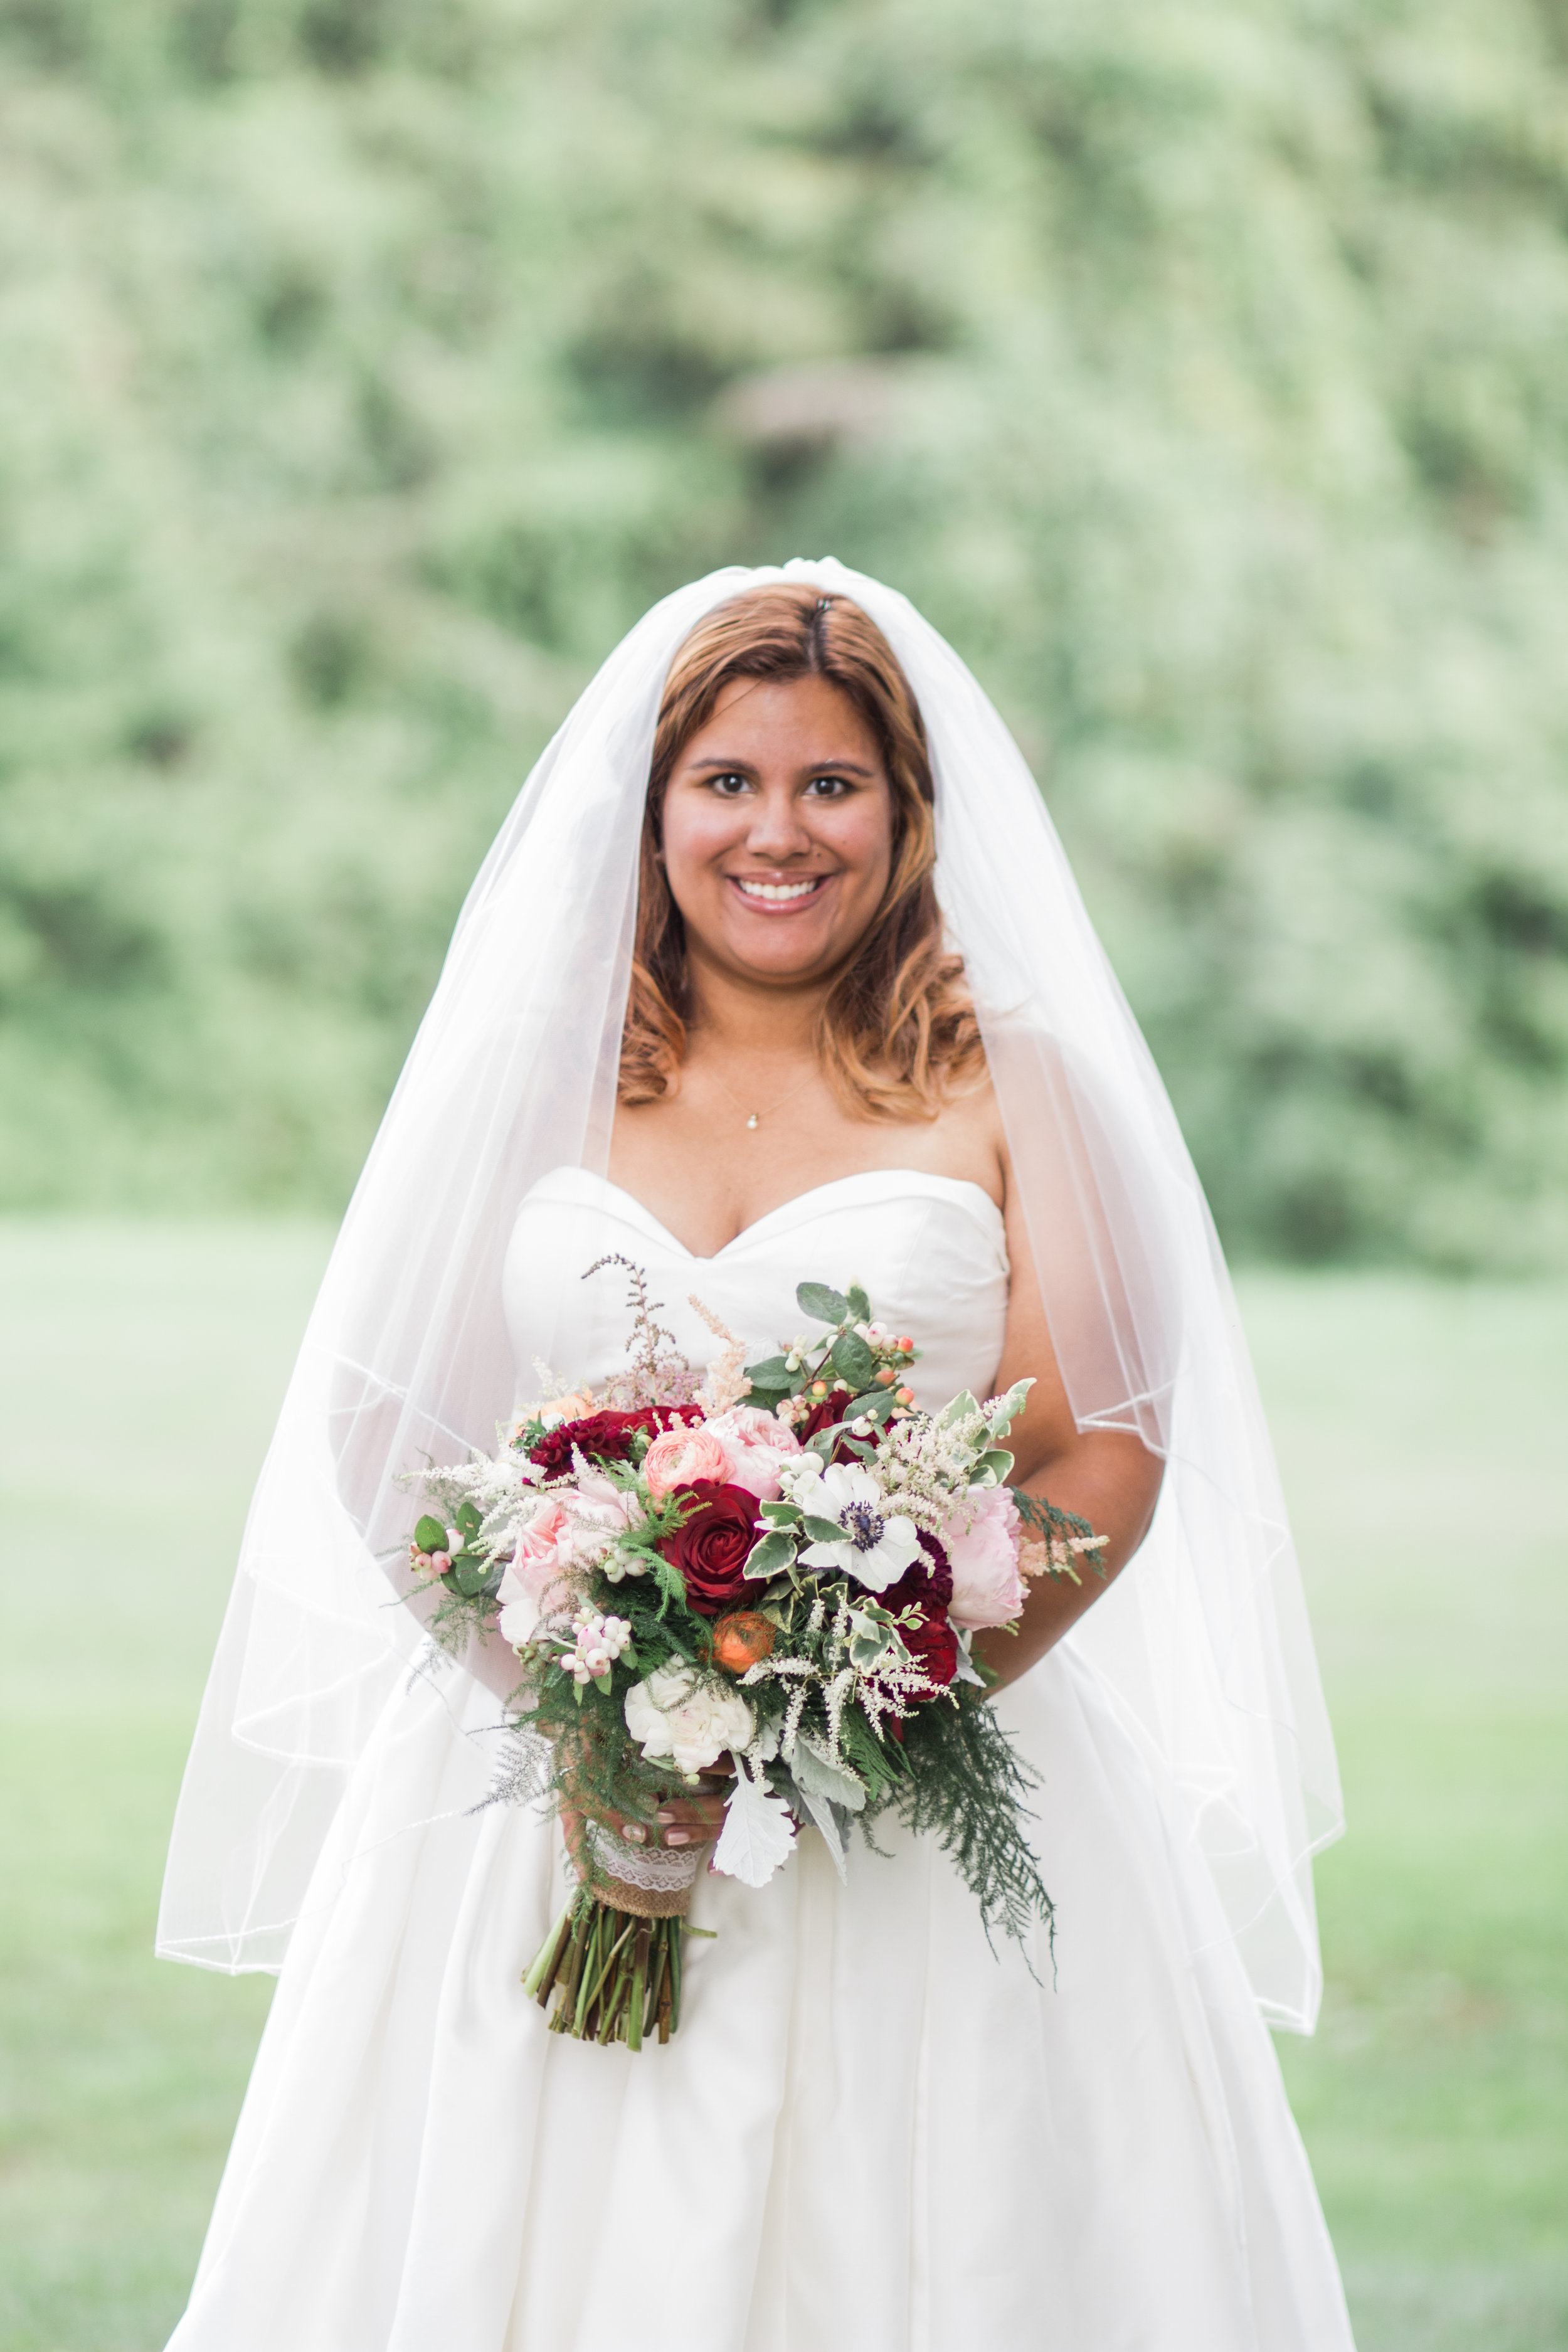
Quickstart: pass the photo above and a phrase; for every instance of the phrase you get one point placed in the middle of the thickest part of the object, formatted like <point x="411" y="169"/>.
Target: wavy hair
<point x="897" y="1031"/>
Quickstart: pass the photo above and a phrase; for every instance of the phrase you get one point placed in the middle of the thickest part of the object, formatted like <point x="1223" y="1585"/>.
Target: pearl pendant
<point x="752" y="1120"/>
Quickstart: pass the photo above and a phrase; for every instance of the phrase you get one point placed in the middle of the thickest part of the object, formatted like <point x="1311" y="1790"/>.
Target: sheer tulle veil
<point x="1201" y="1644"/>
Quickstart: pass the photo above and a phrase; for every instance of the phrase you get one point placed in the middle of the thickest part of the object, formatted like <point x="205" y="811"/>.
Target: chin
<point x="783" y="958"/>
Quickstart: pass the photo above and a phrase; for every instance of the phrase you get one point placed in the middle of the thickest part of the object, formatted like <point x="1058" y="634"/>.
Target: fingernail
<point x="664" y="1817"/>
<point x="677" y="1837"/>
<point x="634" y="1832"/>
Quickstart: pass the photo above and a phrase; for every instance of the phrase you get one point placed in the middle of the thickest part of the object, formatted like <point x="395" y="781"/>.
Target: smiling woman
<point x="876" y="2130"/>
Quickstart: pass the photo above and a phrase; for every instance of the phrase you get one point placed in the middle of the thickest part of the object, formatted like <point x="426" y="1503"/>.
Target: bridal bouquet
<point x="767" y="1585"/>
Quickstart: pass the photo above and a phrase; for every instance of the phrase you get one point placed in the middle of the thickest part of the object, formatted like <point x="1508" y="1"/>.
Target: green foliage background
<point x="367" y="365"/>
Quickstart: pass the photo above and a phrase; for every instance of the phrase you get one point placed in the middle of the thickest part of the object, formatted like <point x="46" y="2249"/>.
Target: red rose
<point x="605" y="1436"/>
<point x="710" y="1549"/>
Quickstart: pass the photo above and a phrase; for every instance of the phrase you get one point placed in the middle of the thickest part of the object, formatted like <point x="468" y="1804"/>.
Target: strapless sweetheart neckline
<point x="900" y="1183"/>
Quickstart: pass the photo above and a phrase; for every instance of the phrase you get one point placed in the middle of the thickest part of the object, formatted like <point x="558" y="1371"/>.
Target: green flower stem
<point x="613" y="1976"/>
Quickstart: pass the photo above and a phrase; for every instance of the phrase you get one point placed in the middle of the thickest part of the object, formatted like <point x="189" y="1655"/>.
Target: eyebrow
<point x="749" y="767"/>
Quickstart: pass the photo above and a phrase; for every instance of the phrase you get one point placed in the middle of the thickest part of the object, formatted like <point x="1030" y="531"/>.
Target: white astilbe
<point x="766" y="1668"/>
<point x="924" y="1463"/>
<point x="798" y="1697"/>
<point x="726" y="1384"/>
<point x="505" y="1492"/>
<point x="839" y="1691"/>
<point x="895" y="1690"/>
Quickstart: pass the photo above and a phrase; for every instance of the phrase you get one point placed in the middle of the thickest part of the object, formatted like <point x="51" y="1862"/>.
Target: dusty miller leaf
<point x="757" y="1836"/>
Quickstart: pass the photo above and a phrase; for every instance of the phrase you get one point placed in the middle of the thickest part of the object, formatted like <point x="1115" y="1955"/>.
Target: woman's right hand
<point x="691" y="1816"/>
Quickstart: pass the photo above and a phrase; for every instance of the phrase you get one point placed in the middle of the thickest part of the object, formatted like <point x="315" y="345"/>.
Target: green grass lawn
<point x="1420" y="1427"/>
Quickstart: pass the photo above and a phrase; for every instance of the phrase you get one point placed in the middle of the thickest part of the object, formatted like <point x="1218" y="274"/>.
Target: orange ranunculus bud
<point x="739" y="1641"/>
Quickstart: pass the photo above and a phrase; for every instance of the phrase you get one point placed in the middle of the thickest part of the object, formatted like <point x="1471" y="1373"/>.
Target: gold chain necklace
<point x="755" y="1119"/>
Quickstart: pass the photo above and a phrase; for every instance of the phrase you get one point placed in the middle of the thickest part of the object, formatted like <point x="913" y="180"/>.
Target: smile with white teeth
<point x="778" y="890"/>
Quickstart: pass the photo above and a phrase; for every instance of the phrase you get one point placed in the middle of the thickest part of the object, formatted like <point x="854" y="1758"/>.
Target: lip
<point x="775" y="907"/>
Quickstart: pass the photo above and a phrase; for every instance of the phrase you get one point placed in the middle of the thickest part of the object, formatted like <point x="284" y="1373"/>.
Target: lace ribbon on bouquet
<point x="663" y="1877"/>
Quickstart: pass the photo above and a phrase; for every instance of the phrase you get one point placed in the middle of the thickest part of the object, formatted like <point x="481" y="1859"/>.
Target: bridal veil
<point x="1202" y="1645"/>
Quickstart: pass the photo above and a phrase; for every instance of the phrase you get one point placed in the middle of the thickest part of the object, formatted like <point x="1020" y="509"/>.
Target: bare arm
<point x="1105" y="1476"/>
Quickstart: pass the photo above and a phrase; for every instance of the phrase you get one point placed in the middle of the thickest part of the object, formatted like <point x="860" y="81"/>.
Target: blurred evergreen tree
<point x="367" y="365"/>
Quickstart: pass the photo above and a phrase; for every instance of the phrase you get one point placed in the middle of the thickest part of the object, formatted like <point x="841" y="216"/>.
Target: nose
<point x="778" y="830"/>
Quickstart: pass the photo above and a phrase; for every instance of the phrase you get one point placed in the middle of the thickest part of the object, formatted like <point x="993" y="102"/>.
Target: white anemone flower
<point x="877" y="1545"/>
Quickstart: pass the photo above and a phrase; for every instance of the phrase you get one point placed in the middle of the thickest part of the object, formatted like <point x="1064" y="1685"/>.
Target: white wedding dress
<point x="871" y="2134"/>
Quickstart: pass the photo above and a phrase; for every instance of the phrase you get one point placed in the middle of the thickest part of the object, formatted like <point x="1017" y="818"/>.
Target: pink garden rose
<point x="757" y="1444"/>
<point x="681" y="1457"/>
<point x="987" y="1588"/>
<point x="532" y="1570"/>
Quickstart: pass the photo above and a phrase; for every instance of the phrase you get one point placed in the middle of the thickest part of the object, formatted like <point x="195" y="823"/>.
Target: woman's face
<point x="778" y="831"/>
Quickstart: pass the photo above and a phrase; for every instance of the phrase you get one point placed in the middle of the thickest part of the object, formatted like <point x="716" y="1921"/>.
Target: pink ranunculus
<point x="987" y="1588"/>
<point x="681" y="1457"/>
<point x="757" y="1444"/>
<point x="534" y="1568"/>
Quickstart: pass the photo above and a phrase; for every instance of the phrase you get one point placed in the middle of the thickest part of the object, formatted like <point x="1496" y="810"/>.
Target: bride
<point x="775" y="972"/>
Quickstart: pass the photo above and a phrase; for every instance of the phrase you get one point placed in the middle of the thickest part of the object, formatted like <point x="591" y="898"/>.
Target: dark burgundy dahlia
<point x="928" y="1586"/>
<point x="605" y="1436"/>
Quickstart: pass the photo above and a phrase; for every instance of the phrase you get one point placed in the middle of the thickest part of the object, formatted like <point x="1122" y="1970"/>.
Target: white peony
<point x="672" y="1713"/>
<point x="877" y="1544"/>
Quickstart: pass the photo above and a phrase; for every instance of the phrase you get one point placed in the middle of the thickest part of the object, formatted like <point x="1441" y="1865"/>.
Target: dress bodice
<point x="929" y="1252"/>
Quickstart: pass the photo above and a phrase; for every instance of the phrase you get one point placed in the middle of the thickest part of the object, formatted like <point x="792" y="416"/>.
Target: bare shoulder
<point x="966" y="1140"/>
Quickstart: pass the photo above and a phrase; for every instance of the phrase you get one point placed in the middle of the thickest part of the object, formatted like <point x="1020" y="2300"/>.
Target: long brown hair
<point x="896" y="1031"/>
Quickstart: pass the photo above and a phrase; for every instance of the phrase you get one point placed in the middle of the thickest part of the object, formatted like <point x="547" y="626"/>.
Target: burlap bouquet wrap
<point x="651" y="1881"/>
<point x="612" y="1964"/>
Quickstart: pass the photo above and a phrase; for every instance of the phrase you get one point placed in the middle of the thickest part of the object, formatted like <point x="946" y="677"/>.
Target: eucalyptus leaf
<point x="430" y="1535"/>
<point x="772" y="1373"/>
<point x="471" y="1574"/>
<point x="824" y="1306"/>
<point x="467" y="1519"/>
<point x="852" y="1359"/>
<point x="859" y="1305"/>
